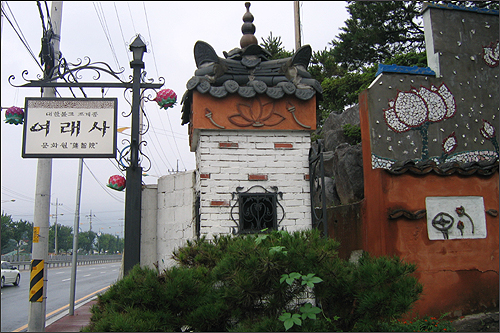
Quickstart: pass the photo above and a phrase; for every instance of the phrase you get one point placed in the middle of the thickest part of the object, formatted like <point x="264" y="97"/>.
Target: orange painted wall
<point x="459" y="276"/>
<point x="262" y="105"/>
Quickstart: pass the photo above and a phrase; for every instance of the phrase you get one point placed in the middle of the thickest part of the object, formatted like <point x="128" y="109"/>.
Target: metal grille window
<point x="257" y="211"/>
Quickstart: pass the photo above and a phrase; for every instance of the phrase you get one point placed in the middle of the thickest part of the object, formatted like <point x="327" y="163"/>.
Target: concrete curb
<point x="64" y="313"/>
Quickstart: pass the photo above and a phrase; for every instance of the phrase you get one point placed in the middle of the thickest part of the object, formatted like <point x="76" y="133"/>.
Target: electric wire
<point x="131" y="17"/>
<point x="20" y="35"/>
<point x="121" y="31"/>
<point x="17" y="195"/>
<point x="156" y="67"/>
<point x="102" y="186"/>
<point x="104" y="25"/>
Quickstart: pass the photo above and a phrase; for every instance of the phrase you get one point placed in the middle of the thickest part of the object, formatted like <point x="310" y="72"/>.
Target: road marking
<point x="65" y="280"/>
<point x="63" y="307"/>
<point x="60" y="273"/>
<point x="87" y="275"/>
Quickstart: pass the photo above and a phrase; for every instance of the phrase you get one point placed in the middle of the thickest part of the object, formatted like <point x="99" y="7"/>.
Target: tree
<point x="273" y="45"/>
<point x="6" y="231"/>
<point x="388" y="32"/>
<point x="106" y="242"/>
<point x="21" y="231"/>
<point x="86" y="240"/>
<point x="64" y="238"/>
<point x="376" y="31"/>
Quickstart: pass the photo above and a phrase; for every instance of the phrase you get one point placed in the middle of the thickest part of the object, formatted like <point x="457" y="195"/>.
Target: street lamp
<point x="132" y="254"/>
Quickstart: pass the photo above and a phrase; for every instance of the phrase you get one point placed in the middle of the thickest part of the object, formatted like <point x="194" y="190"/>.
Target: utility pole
<point x="90" y="216"/>
<point x="55" y="226"/>
<point x="38" y="278"/>
<point x="76" y="227"/>
<point x="296" y="16"/>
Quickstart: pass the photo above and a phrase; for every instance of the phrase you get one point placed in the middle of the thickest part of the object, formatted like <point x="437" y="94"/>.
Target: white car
<point x="10" y="274"/>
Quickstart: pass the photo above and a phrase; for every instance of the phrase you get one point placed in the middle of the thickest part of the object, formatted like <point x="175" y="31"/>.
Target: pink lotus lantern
<point x="166" y="98"/>
<point x="14" y="115"/>
<point x="116" y="182"/>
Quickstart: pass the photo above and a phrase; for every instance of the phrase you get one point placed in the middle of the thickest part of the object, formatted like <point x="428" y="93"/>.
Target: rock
<point x="348" y="173"/>
<point x="333" y="138"/>
<point x="482" y="322"/>
<point x="335" y="121"/>
<point x="328" y="163"/>
<point x="331" y="192"/>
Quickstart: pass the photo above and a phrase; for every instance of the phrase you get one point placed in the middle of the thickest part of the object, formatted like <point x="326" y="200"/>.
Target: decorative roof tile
<point x="248" y="71"/>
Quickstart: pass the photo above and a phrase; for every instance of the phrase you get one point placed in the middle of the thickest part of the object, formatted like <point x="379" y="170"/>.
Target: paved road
<point x="89" y="279"/>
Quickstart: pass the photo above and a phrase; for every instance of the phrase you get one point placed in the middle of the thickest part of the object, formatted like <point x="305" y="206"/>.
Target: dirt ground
<point x="483" y="322"/>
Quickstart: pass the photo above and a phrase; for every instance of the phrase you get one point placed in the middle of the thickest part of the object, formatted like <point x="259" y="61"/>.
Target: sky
<point x="102" y="31"/>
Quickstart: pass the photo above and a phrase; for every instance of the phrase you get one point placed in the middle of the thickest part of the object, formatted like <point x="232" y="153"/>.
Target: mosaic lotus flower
<point x="411" y="109"/>
<point x="417" y="108"/>
<point x="450" y="143"/>
<point x="488" y="132"/>
<point x="491" y="54"/>
<point x="256" y="114"/>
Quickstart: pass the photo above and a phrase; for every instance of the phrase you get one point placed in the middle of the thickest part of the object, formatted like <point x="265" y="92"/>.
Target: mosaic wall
<point x="451" y="116"/>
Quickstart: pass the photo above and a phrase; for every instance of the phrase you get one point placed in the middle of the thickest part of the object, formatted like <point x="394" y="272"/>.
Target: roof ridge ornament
<point x="248" y="29"/>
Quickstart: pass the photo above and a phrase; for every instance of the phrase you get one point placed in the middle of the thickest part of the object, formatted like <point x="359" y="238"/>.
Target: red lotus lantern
<point x="166" y="98"/>
<point x="116" y="182"/>
<point x="14" y="115"/>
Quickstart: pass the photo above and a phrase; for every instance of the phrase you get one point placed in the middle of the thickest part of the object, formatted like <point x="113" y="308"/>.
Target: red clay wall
<point x="459" y="276"/>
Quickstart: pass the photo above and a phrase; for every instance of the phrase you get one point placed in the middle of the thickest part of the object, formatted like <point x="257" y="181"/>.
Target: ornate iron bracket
<point x="71" y="73"/>
<point x="317" y="188"/>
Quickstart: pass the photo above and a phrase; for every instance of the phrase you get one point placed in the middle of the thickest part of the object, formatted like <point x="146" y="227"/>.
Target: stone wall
<point x="230" y="159"/>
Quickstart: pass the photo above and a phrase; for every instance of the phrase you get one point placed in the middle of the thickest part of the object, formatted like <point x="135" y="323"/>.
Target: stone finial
<point x="248" y="29"/>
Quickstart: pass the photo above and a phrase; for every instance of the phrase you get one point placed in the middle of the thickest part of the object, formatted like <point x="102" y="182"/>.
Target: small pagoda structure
<point x="250" y="120"/>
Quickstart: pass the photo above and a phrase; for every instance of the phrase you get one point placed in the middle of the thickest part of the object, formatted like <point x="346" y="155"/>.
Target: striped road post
<point x="36" y="280"/>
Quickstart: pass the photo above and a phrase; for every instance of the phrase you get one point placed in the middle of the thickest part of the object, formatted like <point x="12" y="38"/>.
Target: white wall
<point x="226" y="159"/>
<point x="168" y="225"/>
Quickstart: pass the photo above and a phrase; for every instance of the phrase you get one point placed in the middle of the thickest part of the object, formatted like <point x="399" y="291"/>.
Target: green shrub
<point x="353" y="133"/>
<point x="267" y="282"/>
<point x="425" y="324"/>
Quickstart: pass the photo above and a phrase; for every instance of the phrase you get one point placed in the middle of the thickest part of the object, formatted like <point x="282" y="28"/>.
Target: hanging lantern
<point x="166" y="98"/>
<point x="116" y="182"/>
<point x="14" y="115"/>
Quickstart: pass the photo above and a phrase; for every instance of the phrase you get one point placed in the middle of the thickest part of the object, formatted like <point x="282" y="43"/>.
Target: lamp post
<point x="132" y="252"/>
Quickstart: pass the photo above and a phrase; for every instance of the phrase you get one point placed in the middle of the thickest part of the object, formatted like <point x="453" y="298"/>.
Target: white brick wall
<point x="222" y="170"/>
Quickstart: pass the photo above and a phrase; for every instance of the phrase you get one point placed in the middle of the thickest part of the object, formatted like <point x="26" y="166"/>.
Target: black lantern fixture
<point x="138" y="49"/>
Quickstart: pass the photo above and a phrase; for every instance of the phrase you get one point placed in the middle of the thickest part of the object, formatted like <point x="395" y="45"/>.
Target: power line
<point x="18" y="195"/>
<point x="121" y="31"/>
<point x="104" y="25"/>
<point x="20" y="35"/>
<point x="156" y="67"/>
<point x="99" y="183"/>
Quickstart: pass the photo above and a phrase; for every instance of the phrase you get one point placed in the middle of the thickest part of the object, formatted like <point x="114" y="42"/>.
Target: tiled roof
<point x="247" y="72"/>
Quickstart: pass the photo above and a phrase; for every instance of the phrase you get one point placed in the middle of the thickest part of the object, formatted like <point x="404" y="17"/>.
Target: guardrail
<point x="67" y="260"/>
